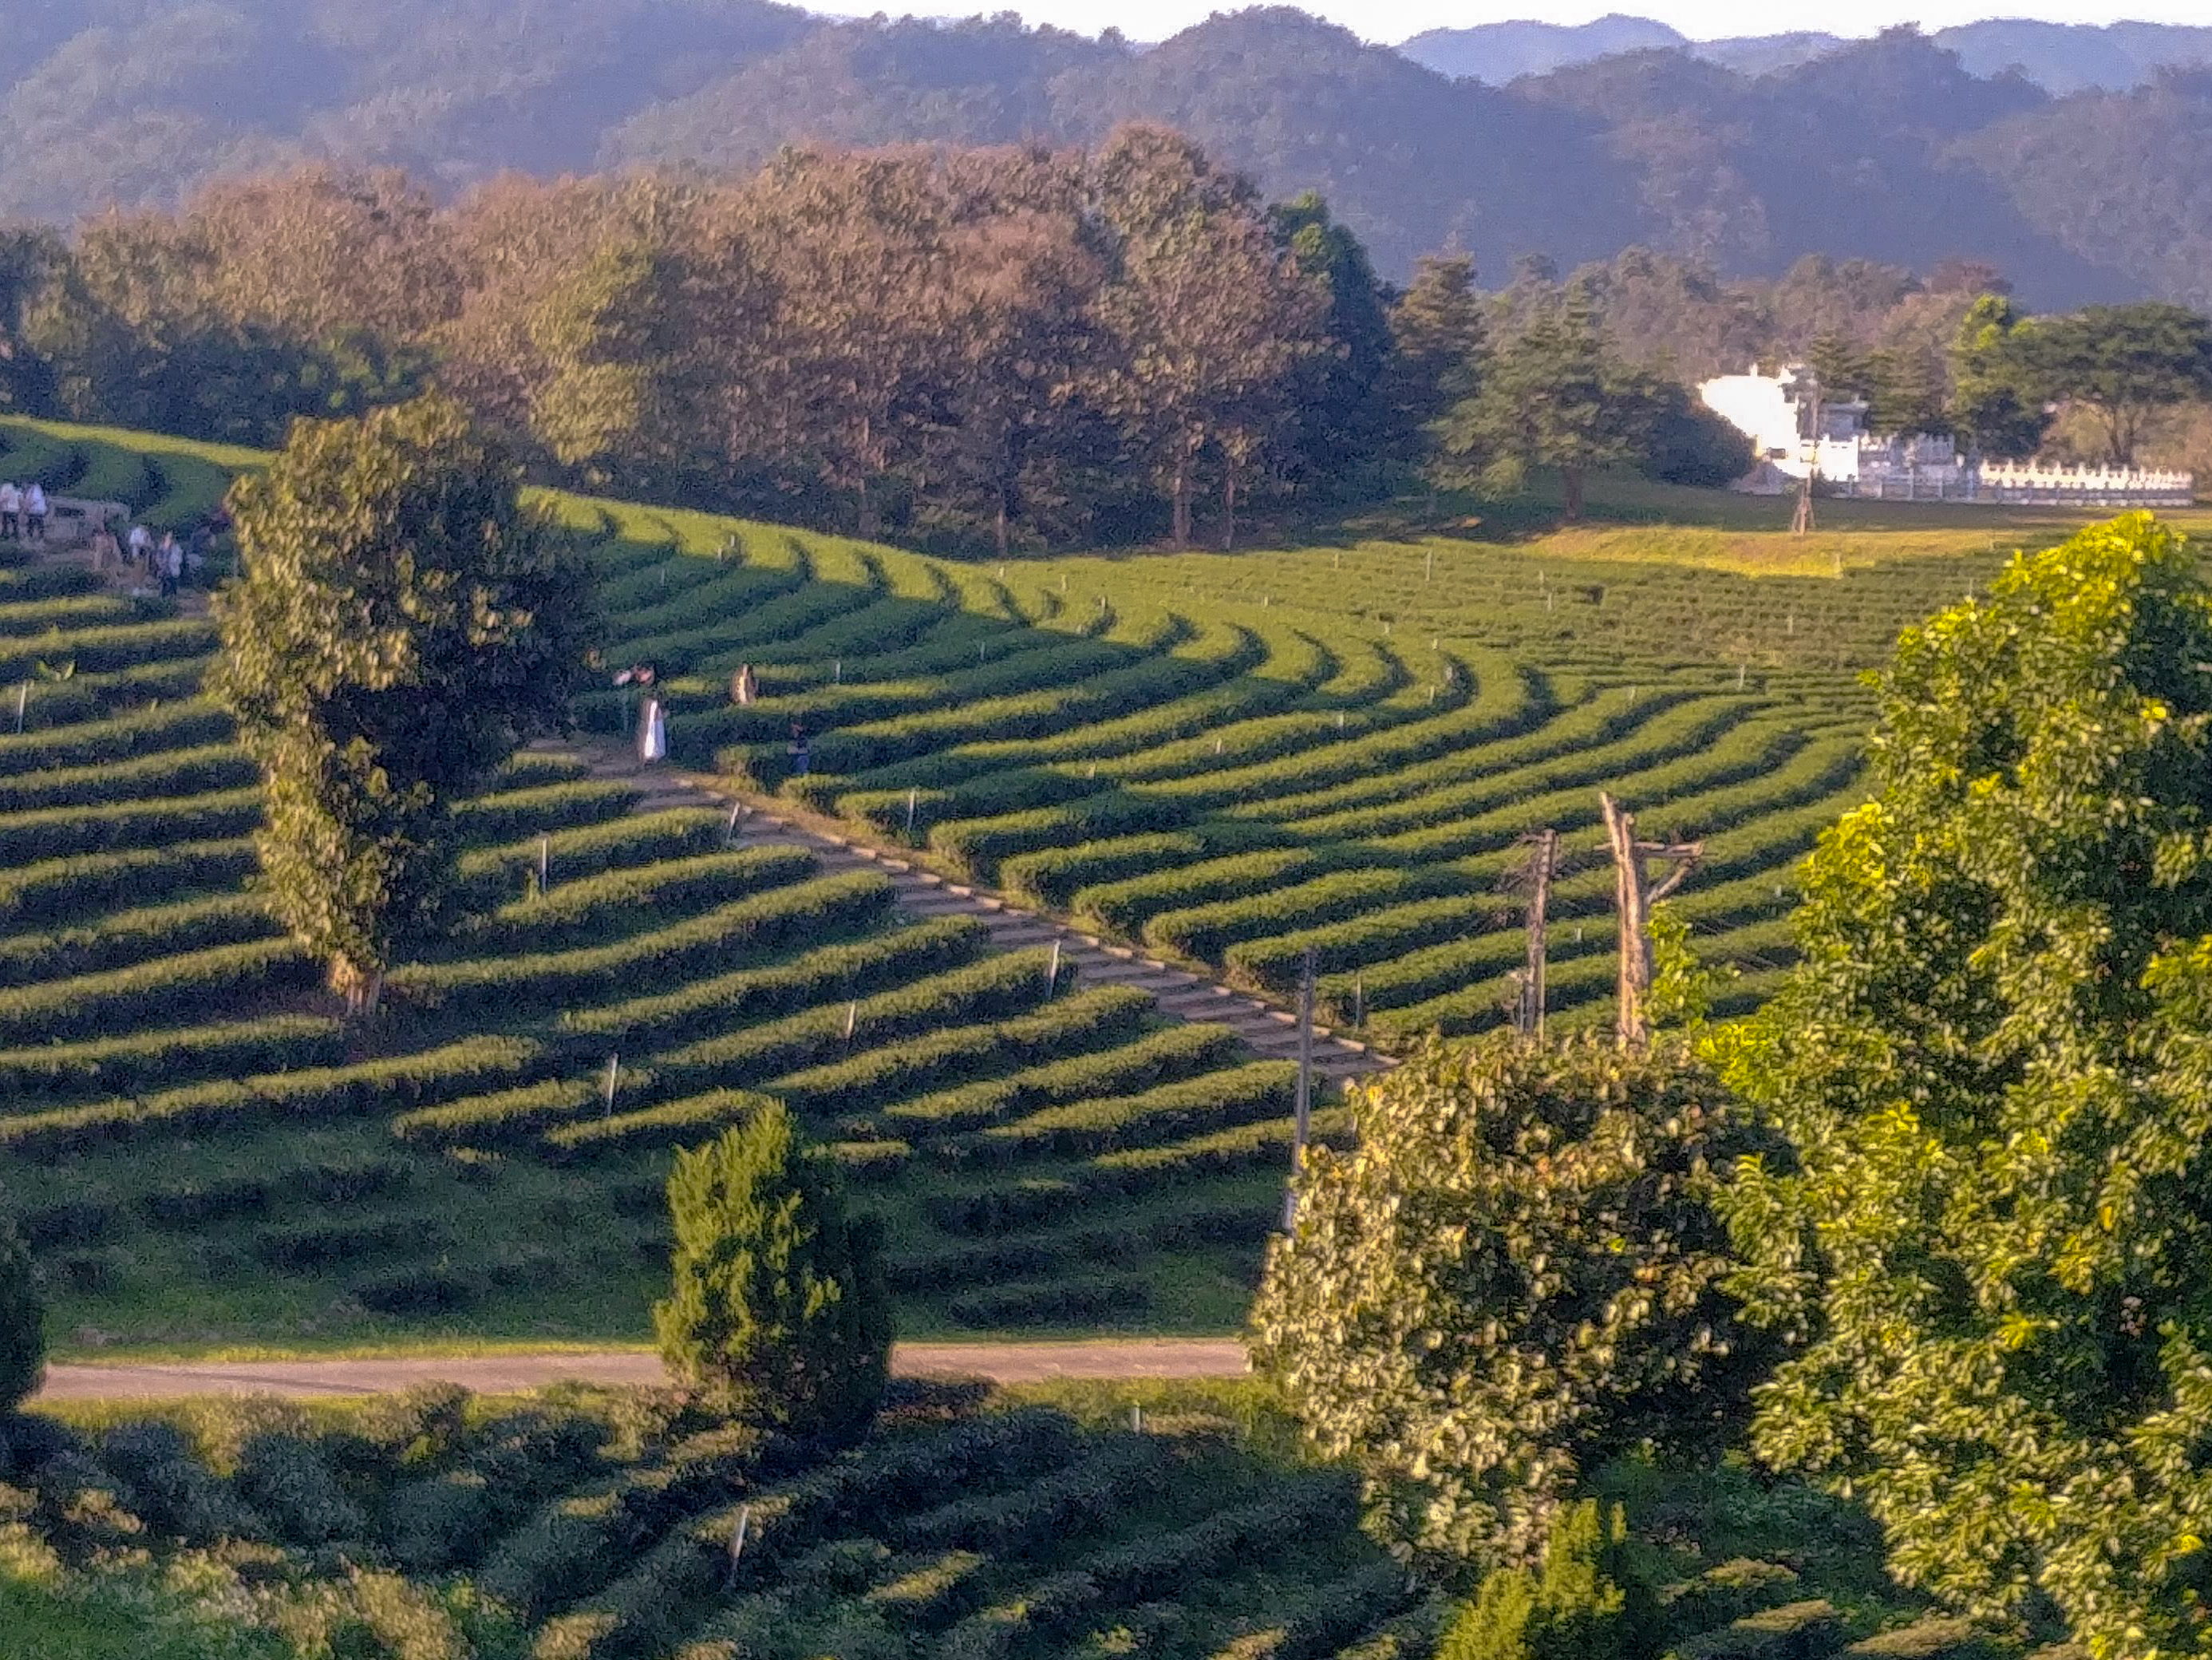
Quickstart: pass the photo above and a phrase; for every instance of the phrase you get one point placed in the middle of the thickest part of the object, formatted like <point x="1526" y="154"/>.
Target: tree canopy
<point x="1515" y="1273"/>
<point x="402" y="623"/>
<point x="1994" y="1062"/>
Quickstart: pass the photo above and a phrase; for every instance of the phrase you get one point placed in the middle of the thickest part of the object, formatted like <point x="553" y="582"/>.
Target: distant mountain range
<point x="2060" y="58"/>
<point x="1905" y="148"/>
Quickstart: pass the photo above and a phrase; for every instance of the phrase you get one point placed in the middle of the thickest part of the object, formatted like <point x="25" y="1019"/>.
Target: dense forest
<point x="1891" y="149"/>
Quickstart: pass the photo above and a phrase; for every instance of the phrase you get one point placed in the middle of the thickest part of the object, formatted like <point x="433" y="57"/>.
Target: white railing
<point x="2093" y="486"/>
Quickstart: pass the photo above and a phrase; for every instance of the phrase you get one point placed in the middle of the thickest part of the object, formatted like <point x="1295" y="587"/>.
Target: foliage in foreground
<point x="1515" y="1275"/>
<point x="1576" y="1609"/>
<point x="402" y="624"/>
<point x="22" y="1344"/>
<point x="1995" y="1061"/>
<point x="778" y="1311"/>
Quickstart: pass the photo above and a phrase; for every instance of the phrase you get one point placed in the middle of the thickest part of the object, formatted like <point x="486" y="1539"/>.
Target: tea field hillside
<point x="1179" y="1521"/>
<point x="1228" y="760"/>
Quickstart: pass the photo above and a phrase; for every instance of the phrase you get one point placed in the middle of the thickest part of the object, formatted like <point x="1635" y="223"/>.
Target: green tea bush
<point x="1068" y="1025"/>
<point x="859" y="969"/>
<point x="122" y="940"/>
<point x="144" y="733"/>
<point x="73" y="832"/>
<point x="133" y="1062"/>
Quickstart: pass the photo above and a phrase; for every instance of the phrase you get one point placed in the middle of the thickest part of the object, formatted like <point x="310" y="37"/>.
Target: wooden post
<point x="614" y="1072"/>
<point x="1301" y="1124"/>
<point x="1633" y="898"/>
<point x="738" y="1539"/>
<point x="1052" y="972"/>
<point x="1543" y="865"/>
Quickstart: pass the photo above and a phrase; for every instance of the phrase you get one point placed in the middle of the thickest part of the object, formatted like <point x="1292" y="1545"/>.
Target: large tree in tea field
<point x="1513" y="1275"/>
<point x="402" y="622"/>
<point x="1993" y="1059"/>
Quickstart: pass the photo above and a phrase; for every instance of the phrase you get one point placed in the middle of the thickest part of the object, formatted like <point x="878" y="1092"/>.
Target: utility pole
<point x="1633" y="897"/>
<point x="1303" y="1123"/>
<point x="1802" y="523"/>
<point x="1543" y="865"/>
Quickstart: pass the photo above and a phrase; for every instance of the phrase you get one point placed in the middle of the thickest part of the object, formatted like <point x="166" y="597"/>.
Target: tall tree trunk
<point x="865" y="520"/>
<point x="1572" y="477"/>
<point x="999" y="527"/>
<point x="1181" y="530"/>
<point x="1228" y="508"/>
<point x="1633" y="898"/>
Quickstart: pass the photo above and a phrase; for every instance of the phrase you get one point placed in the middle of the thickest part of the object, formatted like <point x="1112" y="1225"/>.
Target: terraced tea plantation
<point x="581" y="1526"/>
<point x="1233" y="784"/>
<point x="602" y="1526"/>
<point x="1231" y="761"/>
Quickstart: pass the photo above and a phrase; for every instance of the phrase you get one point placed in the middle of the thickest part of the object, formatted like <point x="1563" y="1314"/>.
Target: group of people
<point x="22" y="512"/>
<point x="652" y="727"/>
<point x="164" y="559"/>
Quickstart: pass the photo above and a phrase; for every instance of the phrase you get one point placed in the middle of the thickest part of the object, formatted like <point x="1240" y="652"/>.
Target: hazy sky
<point x="1702" y="19"/>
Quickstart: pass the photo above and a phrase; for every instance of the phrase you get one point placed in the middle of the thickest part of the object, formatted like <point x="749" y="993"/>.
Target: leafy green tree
<point x="1993" y="1059"/>
<point x="1994" y="405"/>
<point x="402" y="623"/>
<point x="779" y="1311"/>
<point x="1586" y="1604"/>
<point x="23" y="1343"/>
<point x="1514" y="1274"/>
<point x="2125" y="363"/>
<point x="1343" y="419"/>
<point x="1552" y="395"/>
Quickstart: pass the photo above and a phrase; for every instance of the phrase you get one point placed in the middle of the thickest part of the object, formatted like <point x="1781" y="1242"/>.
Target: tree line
<point x="1001" y="348"/>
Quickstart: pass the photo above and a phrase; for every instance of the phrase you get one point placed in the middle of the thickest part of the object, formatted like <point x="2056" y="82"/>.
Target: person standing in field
<point x="103" y="546"/>
<point x="652" y="723"/>
<point x="141" y="544"/>
<point x="743" y="688"/>
<point x="34" y="513"/>
<point x="801" y="756"/>
<point x="170" y="558"/>
<point x="11" y="511"/>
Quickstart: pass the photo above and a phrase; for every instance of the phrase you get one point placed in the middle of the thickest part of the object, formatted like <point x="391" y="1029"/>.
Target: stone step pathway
<point x="1268" y="1030"/>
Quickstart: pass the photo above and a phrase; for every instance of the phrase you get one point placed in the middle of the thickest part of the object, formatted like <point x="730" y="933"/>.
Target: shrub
<point x="1576" y="1607"/>
<point x="22" y="1340"/>
<point x="779" y="1309"/>
<point x="1515" y="1271"/>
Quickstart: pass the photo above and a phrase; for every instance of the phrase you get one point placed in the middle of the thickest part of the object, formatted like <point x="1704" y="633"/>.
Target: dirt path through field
<point x="1001" y="1363"/>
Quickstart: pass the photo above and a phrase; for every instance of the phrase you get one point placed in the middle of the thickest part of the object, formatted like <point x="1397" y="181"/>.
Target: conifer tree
<point x="778" y="1311"/>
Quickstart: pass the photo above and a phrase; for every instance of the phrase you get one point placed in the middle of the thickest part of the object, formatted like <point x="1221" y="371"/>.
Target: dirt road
<point x="1003" y="1363"/>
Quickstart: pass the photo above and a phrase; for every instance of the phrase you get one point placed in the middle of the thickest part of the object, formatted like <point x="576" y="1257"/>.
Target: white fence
<point x="2088" y="487"/>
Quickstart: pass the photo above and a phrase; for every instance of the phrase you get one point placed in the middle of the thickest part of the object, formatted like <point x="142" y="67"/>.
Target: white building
<point x="1776" y="412"/>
